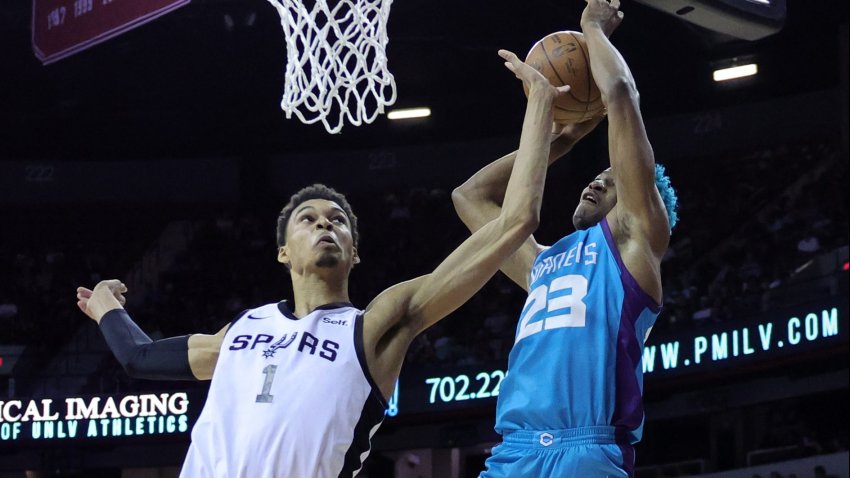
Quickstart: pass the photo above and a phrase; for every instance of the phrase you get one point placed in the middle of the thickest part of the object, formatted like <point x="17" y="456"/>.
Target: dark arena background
<point x="161" y="157"/>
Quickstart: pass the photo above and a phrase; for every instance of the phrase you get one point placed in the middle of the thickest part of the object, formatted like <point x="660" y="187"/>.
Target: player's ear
<point x="283" y="255"/>
<point x="356" y="258"/>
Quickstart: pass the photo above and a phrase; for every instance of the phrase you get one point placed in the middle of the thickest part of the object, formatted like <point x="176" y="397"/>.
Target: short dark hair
<point x="316" y="191"/>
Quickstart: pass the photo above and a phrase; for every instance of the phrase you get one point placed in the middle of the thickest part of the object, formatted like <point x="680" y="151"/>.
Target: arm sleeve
<point x="141" y="357"/>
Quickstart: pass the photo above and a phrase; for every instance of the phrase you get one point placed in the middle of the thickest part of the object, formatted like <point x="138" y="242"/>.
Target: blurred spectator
<point x="735" y="243"/>
<point x="8" y="309"/>
<point x="809" y="243"/>
<point x="820" y="472"/>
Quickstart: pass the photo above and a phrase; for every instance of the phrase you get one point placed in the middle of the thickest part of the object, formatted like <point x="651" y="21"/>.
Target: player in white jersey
<point x="297" y="392"/>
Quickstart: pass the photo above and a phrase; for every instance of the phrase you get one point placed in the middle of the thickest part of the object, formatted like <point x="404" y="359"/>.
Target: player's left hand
<point x="533" y="79"/>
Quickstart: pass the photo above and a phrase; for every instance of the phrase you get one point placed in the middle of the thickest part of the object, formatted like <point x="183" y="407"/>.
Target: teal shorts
<point x="590" y="452"/>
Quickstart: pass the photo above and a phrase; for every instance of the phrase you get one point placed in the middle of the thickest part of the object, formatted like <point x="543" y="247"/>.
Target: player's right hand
<point x="106" y="295"/>
<point x="602" y="13"/>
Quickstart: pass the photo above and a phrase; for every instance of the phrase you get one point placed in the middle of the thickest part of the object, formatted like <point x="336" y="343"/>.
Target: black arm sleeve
<point x="141" y="357"/>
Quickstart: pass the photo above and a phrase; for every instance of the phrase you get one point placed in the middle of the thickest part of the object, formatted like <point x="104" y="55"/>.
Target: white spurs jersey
<point x="289" y="398"/>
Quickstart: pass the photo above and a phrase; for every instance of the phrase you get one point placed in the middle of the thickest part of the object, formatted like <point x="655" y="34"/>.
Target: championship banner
<point x="63" y="27"/>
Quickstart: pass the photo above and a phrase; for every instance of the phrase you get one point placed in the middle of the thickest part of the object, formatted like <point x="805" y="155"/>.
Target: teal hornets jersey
<point x="576" y="359"/>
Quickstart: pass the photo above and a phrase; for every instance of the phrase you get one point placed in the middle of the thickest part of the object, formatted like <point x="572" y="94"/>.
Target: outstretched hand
<point x="531" y="78"/>
<point x="107" y="295"/>
<point x="602" y="13"/>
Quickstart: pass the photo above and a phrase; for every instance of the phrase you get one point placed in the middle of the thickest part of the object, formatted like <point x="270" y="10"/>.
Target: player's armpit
<point x="639" y="205"/>
<point x="387" y="333"/>
<point x="203" y="353"/>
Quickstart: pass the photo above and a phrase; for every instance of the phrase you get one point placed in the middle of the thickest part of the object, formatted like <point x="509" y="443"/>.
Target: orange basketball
<point x="562" y="58"/>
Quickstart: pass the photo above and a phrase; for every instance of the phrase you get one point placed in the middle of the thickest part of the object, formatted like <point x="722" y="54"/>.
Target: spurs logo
<point x="280" y="344"/>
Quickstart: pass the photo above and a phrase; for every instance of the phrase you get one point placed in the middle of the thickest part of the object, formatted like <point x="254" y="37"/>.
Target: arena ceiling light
<point x="737" y="71"/>
<point x="743" y="19"/>
<point x="409" y="113"/>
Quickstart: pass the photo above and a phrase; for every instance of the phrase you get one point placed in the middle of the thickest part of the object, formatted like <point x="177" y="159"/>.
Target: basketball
<point x="562" y="58"/>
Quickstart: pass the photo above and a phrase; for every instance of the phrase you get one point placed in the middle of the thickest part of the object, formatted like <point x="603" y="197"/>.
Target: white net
<point x="336" y="62"/>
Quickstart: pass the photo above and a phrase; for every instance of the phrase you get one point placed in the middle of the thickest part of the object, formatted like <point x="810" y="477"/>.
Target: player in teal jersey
<point x="571" y="404"/>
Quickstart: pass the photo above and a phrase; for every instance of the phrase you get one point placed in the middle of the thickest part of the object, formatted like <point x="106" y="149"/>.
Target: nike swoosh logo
<point x="258" y="318"/>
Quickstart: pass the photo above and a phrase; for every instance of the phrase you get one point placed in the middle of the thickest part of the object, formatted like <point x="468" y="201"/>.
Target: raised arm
<point x="641" y="215"/>
<point x="479" y="200"/>
<point x="190" y="357"/>
<point x="401" y="312"/>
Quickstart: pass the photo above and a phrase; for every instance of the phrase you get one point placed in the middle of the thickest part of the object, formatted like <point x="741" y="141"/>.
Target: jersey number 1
<point x="563" y="310"/>
<point x="265" y="396"/>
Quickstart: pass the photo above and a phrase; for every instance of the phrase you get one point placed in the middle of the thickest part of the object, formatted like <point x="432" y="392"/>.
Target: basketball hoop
<point x="336" y="61"/>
